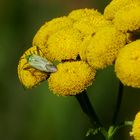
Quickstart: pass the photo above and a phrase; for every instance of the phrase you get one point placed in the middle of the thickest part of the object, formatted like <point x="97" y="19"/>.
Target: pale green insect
<point x="40" y="63"/>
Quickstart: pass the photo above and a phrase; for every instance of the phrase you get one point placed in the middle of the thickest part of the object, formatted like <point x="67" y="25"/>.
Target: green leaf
<point x="92" y="131"/>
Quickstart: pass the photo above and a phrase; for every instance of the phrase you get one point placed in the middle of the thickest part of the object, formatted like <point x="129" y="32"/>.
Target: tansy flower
<point x="49" y="28"/>
<point x="136" y="127"/>
<point x="83" y="13"/>
<point x="127" y="64"/>
<point x="28" y="75"/>
<point x="128" y="18"/>
<point x="64" y="44"/>
<point x="114" y="6"/>
<point x="104" y="46"/>
<point x="71" y="78"/>
<point x="89" y="24"/>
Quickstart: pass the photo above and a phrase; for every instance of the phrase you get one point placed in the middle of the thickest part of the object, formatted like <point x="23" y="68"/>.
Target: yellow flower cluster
<point x="71" y="78"/>
<point x="136" y="127"/>
<point x="127" y="65"/>
<point x="83" y="41"/>
<point x="60" y="41"/>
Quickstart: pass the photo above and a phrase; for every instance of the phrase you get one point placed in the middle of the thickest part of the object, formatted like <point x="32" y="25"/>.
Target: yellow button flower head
<point x="104" y="47"/>
<point x="136" y="127"/>
<point x="71" y="78"/>
<point x="83" y="13"/>
<point x="64" y="44"/>
<point x="49" y="28"/>
<point x="89" y="25"/>
<point x="28" y="75"/>
<point x="127" y="65"/>
<point x="128" y="18"/>
<point x="114" y="6"/>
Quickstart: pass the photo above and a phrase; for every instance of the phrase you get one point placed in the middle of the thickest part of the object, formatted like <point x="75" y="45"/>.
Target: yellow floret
<point x="115" y="5"/>
<point x="104" y="46"/>
<point x="89" y="25"/>
<point x="64" y="45"/>
<point x="83" y="13"/>
<point x="127" y="65"/>
<point x="28" y="75"/>
<point x="128" y="19"/>
<point x="49" y="28"/>
<point x="136" y="127"/>
<point x="71" y="78"/>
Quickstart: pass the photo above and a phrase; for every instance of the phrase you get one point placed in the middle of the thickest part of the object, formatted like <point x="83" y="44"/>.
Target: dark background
<point x="37" y="114"/>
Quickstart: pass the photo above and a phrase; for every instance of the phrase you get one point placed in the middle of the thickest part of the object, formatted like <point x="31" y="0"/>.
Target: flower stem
<point x="119" y="99"/>
<point x="90" y="112"/>
<point x="88" y="109"/>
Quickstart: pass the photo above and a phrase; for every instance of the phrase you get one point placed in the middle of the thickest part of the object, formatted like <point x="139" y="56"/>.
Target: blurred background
<point x="37" y="114"/>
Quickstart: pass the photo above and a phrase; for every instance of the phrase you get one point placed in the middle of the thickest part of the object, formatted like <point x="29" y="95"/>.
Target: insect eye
<point x="27" y="57"/>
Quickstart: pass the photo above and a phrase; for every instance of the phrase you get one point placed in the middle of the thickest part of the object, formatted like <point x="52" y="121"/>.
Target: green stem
<point x="119" y="99"/>
<point x="109" y="135"/>
<point x="88" y="109"/>
<point x="90" y="112"/>
<point x="114" y="129"/>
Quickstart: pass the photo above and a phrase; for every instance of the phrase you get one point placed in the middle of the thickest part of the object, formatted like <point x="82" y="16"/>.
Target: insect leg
<point x="38" y="50"/>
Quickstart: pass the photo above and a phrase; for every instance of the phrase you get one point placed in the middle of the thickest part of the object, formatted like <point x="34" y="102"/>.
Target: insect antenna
<point x="27" y="68"/>
<point x="40" y="52"/>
